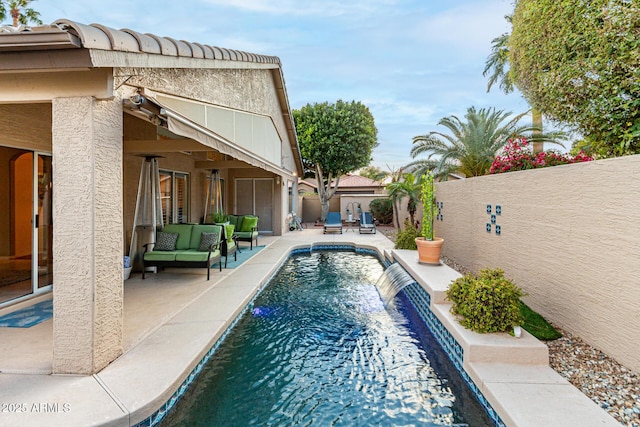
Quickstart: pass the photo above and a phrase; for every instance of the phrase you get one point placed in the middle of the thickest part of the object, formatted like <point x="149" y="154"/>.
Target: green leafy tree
<point x="579" y="62"/>
<point x="334" y="139"/>
<point x="472" y="144"/>
<point x="19" y="12"/>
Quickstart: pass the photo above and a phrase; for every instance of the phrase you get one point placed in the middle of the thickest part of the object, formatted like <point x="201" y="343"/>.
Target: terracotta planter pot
<point x="429" y="250"/>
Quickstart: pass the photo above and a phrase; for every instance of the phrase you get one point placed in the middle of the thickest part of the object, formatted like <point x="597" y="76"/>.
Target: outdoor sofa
<point x="185" y="246"/>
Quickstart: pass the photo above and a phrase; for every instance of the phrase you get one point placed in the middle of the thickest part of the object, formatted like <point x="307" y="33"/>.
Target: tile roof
<point x="101" y="37"/>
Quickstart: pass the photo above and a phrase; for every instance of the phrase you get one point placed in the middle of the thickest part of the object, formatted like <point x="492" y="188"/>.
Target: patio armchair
<point x="367" y="224"/>
<point x="333" y="222"/>
<point x="245" y="228"/>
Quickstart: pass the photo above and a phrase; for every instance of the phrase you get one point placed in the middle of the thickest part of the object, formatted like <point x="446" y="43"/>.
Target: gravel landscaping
<point x="611" y="385"/>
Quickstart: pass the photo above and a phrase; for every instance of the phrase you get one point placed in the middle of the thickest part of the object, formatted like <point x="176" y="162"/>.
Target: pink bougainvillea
<point x="518" y="155"/>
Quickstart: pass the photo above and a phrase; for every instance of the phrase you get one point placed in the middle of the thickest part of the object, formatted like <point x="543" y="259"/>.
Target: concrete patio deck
<point x="172" y="319"/>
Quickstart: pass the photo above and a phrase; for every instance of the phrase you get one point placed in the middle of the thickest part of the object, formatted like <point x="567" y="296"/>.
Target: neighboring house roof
<point x="74" y="45"/>
<point x="357" y="181"/>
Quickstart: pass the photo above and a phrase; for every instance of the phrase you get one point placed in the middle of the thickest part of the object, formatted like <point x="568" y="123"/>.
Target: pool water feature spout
<point x="391" y="282"/>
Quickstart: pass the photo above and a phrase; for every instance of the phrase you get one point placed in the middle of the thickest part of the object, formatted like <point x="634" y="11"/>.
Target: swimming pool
<point x="317" y="347"/>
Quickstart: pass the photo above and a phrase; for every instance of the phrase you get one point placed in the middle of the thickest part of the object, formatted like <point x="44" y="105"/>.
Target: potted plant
<point x="127" y="267"/>
<point x="429" y="246"/>
<point x="219" y="217"/>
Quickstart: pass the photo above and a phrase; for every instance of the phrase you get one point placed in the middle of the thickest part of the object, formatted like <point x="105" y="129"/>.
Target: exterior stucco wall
<point x="87" y="207"/>
<point x="570" y="237"/>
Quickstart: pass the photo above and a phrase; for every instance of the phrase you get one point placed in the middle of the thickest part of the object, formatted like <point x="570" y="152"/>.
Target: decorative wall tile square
<point x="488" y="209"/>
<point x="498" y="209"/>
<point x="488" y="227"/>
<point x="493" y="219"/>
<point x="498" y="229"/>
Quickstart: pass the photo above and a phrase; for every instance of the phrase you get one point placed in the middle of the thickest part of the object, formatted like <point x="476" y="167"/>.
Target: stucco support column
<point x="87" y="234"/>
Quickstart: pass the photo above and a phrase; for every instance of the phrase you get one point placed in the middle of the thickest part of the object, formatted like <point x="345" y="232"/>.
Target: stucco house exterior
<point x="81" y="107"/>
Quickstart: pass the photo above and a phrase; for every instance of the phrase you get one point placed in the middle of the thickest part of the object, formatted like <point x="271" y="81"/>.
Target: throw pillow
<point x="228" y="229"/>
<point x="206" y="240"/>
<point x="165" y="241"/>
<point x="248" y="223"/>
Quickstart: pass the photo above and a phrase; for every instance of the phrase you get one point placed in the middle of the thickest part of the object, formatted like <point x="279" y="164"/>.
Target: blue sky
<point x="411" y="62"/>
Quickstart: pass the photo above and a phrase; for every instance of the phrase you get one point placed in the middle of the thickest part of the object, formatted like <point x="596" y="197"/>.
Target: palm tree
<point x="497" y="64"/>
<point x="404" y="186"/>
<point x="19" y="11"/>
<point x="472" y="144"/>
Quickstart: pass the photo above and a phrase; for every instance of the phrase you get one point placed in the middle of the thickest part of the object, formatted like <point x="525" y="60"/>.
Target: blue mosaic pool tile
<point x="162" y="412"/>
<point x="421" y="301"/>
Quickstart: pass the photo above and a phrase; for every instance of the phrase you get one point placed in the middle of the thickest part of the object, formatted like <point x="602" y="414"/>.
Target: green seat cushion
<point x="160" y="256"/>
<point x="234" y="219"/>
<point x="195" y="256"/>
<point x="248" y="223"/>
<point x="184" y="234"/>
<point x="198" y="229"/>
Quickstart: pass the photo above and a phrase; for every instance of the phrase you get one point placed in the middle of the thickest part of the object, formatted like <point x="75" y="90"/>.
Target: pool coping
<point x="512" y="374"/>
<point x="148" y="376"/>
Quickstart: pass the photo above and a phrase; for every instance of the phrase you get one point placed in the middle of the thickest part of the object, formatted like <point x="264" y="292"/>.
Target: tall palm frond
<point x="497" y="64"/>
<point x="470" y="146"/>
<point x="20" y="12"/>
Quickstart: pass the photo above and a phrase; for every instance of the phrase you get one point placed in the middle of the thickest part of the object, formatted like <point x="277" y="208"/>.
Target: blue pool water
<point x="317" y="347"/>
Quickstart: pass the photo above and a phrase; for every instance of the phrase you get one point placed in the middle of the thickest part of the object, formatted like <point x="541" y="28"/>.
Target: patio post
<point x="87" y="234"/>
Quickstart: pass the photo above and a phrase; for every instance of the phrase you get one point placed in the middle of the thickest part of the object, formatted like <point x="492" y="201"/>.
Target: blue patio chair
<point x="366" y="223"/>
<point x="333" y="222"/>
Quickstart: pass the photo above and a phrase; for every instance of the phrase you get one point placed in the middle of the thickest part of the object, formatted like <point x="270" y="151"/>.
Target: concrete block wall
<point x="569" y="236"/>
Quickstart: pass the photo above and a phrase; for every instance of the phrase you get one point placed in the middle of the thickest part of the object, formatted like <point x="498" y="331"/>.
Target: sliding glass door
<point x="255" y="196"/>
<point x="26" y="232"/>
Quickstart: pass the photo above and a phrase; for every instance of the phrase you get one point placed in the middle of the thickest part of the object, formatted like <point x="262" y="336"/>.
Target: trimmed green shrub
<point x="487" y="302"/>
<point x="406" y="238"/>
<point x="382" y="210"/>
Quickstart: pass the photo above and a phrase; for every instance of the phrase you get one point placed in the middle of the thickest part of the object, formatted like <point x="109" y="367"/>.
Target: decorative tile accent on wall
<point x="440" y="206"/>
<point x="494" y="219"/>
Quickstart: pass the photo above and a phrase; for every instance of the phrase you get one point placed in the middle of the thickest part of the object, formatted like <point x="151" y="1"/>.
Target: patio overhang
<point x="159" y="113"/>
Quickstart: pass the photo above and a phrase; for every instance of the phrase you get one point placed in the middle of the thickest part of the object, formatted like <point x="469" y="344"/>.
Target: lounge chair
<point x="366" y="223"/>
<point x="333" y="222"/>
